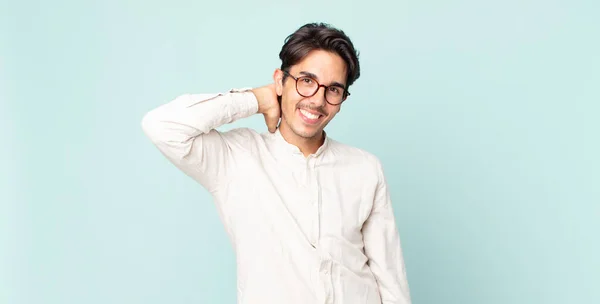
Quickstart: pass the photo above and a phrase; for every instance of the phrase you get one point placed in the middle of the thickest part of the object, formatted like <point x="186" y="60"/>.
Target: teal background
<point x="484" y="113"/>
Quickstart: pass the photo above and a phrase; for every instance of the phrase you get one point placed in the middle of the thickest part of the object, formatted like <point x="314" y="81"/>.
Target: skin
<point x="328" y="68"/>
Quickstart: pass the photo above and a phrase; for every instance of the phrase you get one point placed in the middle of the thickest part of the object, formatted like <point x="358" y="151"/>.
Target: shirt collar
<point x="292" y="149"/>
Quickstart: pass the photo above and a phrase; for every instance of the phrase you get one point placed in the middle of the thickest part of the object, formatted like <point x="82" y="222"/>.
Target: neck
<point x="306" y="145"/>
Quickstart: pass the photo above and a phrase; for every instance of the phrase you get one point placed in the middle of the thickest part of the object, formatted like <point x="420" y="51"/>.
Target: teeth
<point x="309" y="115"/>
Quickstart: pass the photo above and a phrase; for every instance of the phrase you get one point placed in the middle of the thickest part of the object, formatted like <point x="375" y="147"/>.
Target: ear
<point x="278" y="79"/>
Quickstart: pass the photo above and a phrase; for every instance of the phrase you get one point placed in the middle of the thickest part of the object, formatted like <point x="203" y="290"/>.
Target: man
<point x="310" y="218"/>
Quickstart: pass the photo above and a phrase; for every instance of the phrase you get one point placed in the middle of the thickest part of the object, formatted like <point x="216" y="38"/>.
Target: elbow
<point x="150" y="126"/>
<point x="147" y="123"/>
<point x="167" y="137"/>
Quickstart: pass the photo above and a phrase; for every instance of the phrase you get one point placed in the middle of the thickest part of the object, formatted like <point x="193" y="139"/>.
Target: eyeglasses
<point x="307" y="87"/>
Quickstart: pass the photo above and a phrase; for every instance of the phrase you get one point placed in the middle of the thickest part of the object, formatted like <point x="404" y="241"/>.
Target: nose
<point x="319" y="98"/>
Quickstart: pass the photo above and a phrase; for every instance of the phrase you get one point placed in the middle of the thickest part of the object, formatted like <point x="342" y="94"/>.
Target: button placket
<point x="325" y="265"/>
<point x="317" y="198"/>
<point x="326" y="278"/>
<point x="313" y="205"/>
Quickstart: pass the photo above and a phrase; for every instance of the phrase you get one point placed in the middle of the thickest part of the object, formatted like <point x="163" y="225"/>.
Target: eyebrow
<point x="312" y="75"/>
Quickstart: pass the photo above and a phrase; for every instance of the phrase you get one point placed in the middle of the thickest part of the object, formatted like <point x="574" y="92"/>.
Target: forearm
<point x="191" y="115"/>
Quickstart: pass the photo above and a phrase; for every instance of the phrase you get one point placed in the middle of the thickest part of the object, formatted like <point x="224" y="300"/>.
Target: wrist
<point x="258" y="94"/>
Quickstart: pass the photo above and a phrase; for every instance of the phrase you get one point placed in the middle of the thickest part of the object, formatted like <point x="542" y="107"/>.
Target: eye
<point x="307" y="80"/>
<point x="335" y="90"/>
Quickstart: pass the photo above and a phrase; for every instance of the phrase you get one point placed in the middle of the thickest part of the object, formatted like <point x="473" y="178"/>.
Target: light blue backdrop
<point x="484" y="113"/>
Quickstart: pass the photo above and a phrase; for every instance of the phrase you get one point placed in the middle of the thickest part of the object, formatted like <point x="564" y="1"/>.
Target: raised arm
<point x="383" y="248"/>
<point x="184" y="130"/>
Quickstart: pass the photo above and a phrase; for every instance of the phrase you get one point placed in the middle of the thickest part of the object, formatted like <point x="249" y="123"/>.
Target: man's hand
<point x="268" y="105"/>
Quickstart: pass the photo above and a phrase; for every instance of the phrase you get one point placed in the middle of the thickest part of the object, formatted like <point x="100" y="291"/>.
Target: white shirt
<point x="316" y="229"/>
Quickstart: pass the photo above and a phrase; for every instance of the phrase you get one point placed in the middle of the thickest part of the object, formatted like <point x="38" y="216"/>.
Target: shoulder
<point x="242" y="138"/>
<point x="354" y="153"/>
<point x="368" y="162"/>
<point x="241" y="133"/>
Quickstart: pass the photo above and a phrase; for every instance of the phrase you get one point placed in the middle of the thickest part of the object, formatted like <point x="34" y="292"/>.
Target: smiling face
<point x="306" y="117"/>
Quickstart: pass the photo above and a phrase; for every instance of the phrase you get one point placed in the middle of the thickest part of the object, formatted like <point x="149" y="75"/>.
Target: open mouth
<point x="310" y="117"/>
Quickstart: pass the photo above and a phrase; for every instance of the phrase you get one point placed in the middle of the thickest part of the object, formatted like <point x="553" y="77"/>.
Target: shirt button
<point x="326" y="270"/>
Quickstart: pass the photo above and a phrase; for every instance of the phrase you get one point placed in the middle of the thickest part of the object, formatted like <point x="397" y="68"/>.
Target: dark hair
<point x="315" y="36"/>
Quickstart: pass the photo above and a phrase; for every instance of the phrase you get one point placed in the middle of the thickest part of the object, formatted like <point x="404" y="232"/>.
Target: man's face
<point x="307" y="116"/>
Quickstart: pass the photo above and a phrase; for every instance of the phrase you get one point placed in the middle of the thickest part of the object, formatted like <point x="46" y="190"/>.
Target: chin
<point x="306" y="132"/>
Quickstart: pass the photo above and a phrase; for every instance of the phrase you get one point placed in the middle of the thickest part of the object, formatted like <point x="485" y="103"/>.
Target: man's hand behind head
<point x="268" y="105"/>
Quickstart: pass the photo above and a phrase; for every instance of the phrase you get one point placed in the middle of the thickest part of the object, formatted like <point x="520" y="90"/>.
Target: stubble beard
<point x="304" y="135"/>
